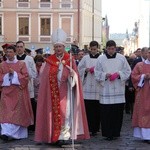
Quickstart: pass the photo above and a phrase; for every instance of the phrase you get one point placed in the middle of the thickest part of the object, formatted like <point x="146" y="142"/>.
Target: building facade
<point x="33" y="21"/>
<point x="144" y="23"/>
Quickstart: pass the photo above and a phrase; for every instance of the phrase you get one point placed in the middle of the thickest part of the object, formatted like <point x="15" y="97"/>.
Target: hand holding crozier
<point x="72" y="72"/>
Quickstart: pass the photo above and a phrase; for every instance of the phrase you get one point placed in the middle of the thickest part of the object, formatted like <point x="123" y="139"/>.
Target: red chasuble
<point x="52" y="102"/>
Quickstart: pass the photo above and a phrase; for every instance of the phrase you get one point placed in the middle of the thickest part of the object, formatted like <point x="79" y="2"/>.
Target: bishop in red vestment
<point x="54" y="119"/>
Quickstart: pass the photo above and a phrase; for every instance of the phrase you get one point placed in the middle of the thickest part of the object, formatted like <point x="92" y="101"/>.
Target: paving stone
<point x="125" y="142"/>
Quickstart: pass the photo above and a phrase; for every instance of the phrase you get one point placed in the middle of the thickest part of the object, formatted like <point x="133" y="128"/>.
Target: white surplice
<point x="90" y="85"/>
<point x="112" y="92"/>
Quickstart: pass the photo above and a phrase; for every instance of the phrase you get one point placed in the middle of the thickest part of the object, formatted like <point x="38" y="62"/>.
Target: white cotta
<point x="90" y="86"/>
<point x="112" y="92"/>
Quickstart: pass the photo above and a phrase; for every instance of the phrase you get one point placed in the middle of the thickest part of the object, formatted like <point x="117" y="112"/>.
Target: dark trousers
<point x="130" y="97"/>
<point x="93" y="115"/>
<point x="111" y="119"/>
<point x="34" y="105"/>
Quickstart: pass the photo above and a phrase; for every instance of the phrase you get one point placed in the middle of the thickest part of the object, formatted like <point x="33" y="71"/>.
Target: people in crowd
<point x="105" y="86"/>
<point x="4" y="46"/>
<point x="46" y="55"/>
<point x="91" y="88"/>
<point x="60" y="107"/>
<point x="27" y="51"/>
<point x="15" y="105"/>
<point x="141" y="81"/>
<point x="142" y="57"/>
<point x="81" y="54"/>
<point x="120" y="49"/>
<point x="40" y="63"/>
<point x="111" y="71"/>
<point x="139" y="58"/>
<point x="138" y="52"/>
<point x="74" y="51"/>
<point x="129" y="93"/>
<point x="39" y="51"/>
<point x="29" y="61"/>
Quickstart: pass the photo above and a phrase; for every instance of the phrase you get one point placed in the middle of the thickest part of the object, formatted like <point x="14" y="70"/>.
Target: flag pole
<point x="71" y="102"/>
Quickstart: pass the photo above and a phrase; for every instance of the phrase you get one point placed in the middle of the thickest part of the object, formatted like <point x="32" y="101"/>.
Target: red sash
<point x="55" y="95"/>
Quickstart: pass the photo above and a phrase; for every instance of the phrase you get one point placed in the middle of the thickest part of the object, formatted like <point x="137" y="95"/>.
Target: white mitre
<point x="59" y="37"/>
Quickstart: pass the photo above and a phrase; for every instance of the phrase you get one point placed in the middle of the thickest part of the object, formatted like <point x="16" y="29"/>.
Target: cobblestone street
<point x="125" y="142"/>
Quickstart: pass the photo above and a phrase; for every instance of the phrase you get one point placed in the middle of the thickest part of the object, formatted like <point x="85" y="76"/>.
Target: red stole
<point x="55" y="95"/>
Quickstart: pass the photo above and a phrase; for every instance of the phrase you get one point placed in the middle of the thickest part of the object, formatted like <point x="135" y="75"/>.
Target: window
<point x="45" y="26"/>
<point x="66" y="23"/>
<point x="23" y="26"/>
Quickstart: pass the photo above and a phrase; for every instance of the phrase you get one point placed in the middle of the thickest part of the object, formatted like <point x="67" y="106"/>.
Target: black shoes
<point x="93" y="134"/>
<point x="147" y="141"/>
<point x="127" y="112"/>
<point x="60" y="143"/>
<point x="111" y="138"/>
<point x="4" y="138"/>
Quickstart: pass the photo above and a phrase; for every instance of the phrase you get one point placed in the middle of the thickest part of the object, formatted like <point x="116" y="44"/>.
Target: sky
<point x="121" y="14"/>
